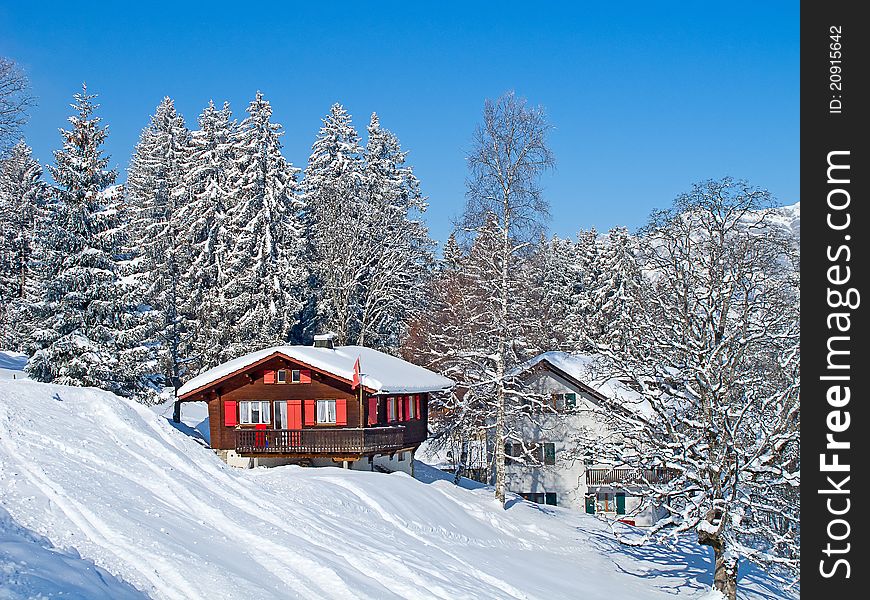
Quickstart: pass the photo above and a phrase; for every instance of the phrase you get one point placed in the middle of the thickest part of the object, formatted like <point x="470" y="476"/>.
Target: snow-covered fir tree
<point x="333" y="194"/>
<point x="22" y="199"/>
<point x="615" y="299"/>
<point x="267" y="279"/>
<point x="210" y="188"/>
<point x="556" y="276"/>
<point x="80" y="312"/>
<point x="396" y="248"/>
<point x="155" y="194"/>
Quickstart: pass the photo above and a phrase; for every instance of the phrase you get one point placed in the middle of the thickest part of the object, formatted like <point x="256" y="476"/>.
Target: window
<point x="280" y="413"/>
<point x="564" y="402"/>
<point x="540" y="497"/>
<point x="392" y="409"/>
<point x="326" y="411"/>
<point x="570" y="401"/>
<point x="295" y="376"/>
<point x="549" y="454"/>
<point x="533" y="453"/>
<point x="253" y="412"/>
<point x="411" y="412"/>
<point x="282" y="376"/>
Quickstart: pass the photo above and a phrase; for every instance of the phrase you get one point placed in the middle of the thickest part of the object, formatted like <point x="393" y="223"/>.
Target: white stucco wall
<point x="567" y="478"/>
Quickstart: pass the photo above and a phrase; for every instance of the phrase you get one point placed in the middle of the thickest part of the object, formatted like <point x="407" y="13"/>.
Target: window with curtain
<point x="326" y="411"/>
<point x="254" y="412"/>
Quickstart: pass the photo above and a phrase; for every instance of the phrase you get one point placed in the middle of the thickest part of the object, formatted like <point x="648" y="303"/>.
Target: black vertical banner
<point x="834" y="299"/>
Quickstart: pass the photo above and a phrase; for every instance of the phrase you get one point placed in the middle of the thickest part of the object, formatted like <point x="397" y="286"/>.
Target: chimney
<point x="325" y="340"/>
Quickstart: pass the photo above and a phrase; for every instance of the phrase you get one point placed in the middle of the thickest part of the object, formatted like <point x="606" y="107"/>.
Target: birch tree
<point x="714" y="355"/>
<point x="15" y="99"/>
<point x="503" y="193"/>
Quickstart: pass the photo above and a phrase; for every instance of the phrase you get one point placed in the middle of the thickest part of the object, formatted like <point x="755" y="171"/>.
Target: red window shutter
<point x="373" y="410"/>
<point x="269" y="377"/>
<point x="305" y="376"/>
<point x="294" y="414"/>
<point x="231" y="417"/>
<point x="408" y="401"/>
<point x="341" y="411"/>
<point x="309" y="412"/>
<point x="417" y="406"/>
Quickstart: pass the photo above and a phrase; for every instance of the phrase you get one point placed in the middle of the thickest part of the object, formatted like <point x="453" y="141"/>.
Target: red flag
<point x="356" y="377"/>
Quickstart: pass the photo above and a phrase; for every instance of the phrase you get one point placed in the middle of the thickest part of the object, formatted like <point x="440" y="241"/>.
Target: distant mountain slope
<point x="118" y="483"/>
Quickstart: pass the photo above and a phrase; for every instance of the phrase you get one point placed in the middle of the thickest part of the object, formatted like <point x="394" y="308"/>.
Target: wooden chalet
<point x="299" y="404"/>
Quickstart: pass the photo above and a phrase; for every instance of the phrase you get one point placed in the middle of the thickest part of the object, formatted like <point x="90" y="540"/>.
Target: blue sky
<point x="645" y="98"/>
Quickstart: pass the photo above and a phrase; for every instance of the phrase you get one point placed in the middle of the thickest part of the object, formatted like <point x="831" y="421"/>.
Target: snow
<point x="592" y="370"/>
<point x="380" y="372"/>
<point x="30" y="567"/>
<point x="84" y="473"/>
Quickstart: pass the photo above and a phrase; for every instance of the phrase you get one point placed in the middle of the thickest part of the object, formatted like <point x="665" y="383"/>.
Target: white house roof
<point x="591" y="370"/>
<point x="380" y="372"/>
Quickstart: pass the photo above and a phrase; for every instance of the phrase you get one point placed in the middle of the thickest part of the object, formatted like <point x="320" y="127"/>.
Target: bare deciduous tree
<point x="15" y="99"/>
<point x="714" y="354"/>
<point x="503" y="196"/>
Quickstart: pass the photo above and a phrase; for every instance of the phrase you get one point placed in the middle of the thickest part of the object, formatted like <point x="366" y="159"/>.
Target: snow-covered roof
<point x="590" y="370"/>
<point x="380" y="372"/>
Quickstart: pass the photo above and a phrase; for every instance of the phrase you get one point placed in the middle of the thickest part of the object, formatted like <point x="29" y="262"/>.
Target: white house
<point x="547" y="464"/>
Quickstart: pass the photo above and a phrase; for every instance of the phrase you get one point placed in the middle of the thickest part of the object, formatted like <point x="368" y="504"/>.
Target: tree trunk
<point x="725" y="563"/>
<point x="500" y="421"/>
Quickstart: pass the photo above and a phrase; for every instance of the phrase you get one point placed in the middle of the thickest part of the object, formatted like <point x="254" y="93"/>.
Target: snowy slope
<point x="31" y="568"/>
<point x="115" y="481"/>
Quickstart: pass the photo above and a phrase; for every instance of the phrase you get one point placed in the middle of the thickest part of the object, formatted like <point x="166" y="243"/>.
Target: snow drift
<point x="87" y="476"/>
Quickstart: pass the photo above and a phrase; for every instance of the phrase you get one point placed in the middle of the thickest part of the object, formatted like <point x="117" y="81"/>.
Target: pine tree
<point x="210" y="181"/>
<point x="615" y="300"/>
<point x="22" y="199"/>
<point x="80" y="312"/>
<point x="555" y="275"/>
<point x="154" y="197"/>
<point x="268" y="273"/>
<point x="397" y="250"/>
<point x="333" y="203"/>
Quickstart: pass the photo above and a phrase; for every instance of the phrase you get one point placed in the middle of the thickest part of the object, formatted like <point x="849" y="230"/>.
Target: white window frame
<point x="246" y="412"/>
<point x="392" y="409"/>
<point x="412" y="408"/>
<point x="323" y="415"/>
<point x="281" y="376"/>
<point x="295" y="376"/>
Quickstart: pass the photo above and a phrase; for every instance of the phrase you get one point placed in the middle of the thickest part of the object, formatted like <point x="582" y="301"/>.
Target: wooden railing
<point x="319" y="441"/>
<point x="627" y="476"/>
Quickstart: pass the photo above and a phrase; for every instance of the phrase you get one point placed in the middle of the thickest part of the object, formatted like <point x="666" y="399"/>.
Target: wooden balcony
<point x="343" y="441"/>
<point x="626" y="476"/>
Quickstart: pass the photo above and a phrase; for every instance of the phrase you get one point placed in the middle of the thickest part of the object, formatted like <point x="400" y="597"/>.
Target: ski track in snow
<point x="156" y="509"/>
